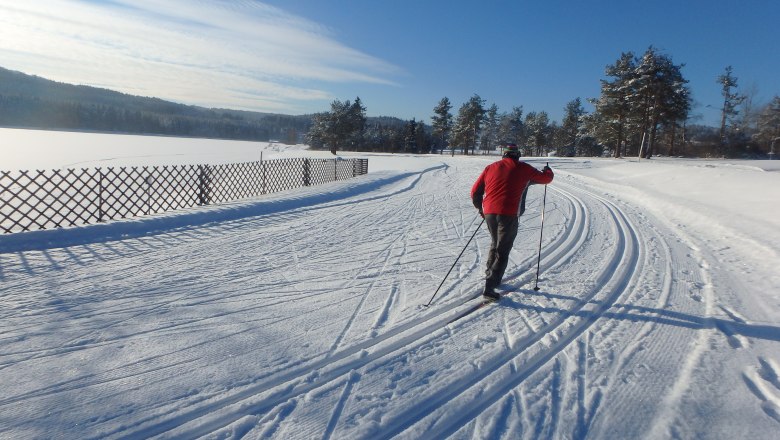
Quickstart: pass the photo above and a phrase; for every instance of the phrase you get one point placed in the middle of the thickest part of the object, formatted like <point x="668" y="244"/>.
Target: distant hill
<point x="34" y="102"/>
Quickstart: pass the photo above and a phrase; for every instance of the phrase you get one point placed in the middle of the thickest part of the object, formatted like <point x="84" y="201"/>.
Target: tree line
<point x="33" y="102"/>
<point x="644" y="109"/>
<point x="346" y="127"/>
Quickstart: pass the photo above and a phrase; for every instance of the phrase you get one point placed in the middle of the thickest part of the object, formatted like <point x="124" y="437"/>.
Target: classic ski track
<point x="413" y="204"/>
<point x="352" y="378"/>
<point x="269" y="392"/>
<point x="387" y="254"/>
<point x="562" y="248"/>
<point x="193" y="246"/>
<point x="618" y="275"/>
<point x="76" y="343"/>
<point x="629" y="350"/>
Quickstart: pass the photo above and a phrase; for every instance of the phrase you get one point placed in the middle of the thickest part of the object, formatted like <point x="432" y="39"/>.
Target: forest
<point x="644" y="109"/>
<point x="32" y="102"/>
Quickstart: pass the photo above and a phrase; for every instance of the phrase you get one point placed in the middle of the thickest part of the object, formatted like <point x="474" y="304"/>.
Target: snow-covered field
<point x="301" y="314"/>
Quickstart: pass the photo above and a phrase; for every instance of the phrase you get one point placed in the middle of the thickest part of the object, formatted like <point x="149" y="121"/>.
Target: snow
<point x="301" y="314"/>
<point x="40" y="149"/>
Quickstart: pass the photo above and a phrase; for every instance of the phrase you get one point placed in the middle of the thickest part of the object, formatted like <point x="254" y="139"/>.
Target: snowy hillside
<point x="300" y="314"/>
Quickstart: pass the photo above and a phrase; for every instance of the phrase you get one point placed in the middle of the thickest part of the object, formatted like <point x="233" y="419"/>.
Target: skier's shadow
<point x="628" y="312"/>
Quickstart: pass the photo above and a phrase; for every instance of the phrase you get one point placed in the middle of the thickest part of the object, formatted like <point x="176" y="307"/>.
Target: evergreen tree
<point x="357" y="124"/>
<point x="613" y="109"/>
<point x="317" y="132"/>
<point x="410" y="137"/>
<point x="489" y="138"/>
<point x="570" y="127"/>
<point x="422" y="138"/>
<point x="342" y="127"/>
<point x="588" y="146"/>
<point x="661" y="96"/>
<point x="442" y="122"/>
<point x="539" y="132"/>
<point x="511" y="128"/>
<point x="731" y="100"/>
<point x="769" y="126"/>
<point x="465" y="132"/>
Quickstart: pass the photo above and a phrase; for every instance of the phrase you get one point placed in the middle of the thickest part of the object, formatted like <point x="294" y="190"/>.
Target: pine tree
<point x="357" y="124"/>
<point x="489" y="138"/>
<point x="319" y="126"/>
<point x="511" y="128"/>
<point x="611" y="119"/>
<point x="442" y="122"/>
<point x="731" y="99"/>
<point x="769" y="126"/>
<point x="422" y="138"/>
<point x="570" y="127"/>
<point x="410" y="137"/>
<point x="465" y="132"/>
<point x="661" y="96"/>
<point x="341" y="128"/>
<point x="539" y="133"/>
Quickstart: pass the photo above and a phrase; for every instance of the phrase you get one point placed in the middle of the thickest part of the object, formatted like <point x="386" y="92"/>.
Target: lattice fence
<point x="31" y="200"/>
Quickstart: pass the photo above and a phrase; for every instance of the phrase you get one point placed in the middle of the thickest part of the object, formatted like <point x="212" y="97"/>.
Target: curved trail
<point x="280" y="388"/>
<point x="310" y="323"/>
<point x="616" y="275"/>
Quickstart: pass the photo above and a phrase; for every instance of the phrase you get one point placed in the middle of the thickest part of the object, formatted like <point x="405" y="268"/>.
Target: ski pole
<point x="541" y="229"/>
<point x="456" y="261"/>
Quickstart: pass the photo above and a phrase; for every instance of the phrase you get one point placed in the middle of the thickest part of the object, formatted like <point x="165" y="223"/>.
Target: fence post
<point x="200" y="185"/>
<point x="306" y="172"/>
<point x="262" y="168"/>
<point x="207" y="184"/>
<point x="100" y="195"/>
<point x="148" y="181"/>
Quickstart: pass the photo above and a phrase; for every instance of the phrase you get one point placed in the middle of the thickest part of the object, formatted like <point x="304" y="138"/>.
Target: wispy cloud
<point x="238" y="54"/>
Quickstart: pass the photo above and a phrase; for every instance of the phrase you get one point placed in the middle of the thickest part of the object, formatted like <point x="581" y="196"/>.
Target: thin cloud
<point x="241" y="54"/>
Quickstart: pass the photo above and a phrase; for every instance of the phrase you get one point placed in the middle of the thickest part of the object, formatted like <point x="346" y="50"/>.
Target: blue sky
<point x="400" y="57"/>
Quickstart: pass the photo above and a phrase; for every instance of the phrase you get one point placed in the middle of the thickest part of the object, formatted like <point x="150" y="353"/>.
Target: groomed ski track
<point x="301" y="316"/>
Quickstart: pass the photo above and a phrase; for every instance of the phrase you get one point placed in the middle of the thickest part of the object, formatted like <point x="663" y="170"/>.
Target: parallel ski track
<point x="386" y="255"/>
<point x="199" y="294"/>
<point x="275" y="390"/>
<point x="616" y="278"/>
<point x="194" y="296"/>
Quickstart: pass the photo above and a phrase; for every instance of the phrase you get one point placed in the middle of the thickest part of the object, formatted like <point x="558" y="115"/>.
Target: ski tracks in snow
<point x="526" y="355"/>
<point x="570" y="360"/>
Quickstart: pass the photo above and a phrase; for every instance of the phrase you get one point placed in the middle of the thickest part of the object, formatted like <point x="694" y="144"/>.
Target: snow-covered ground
<point x="41" y="149"/>
<point x="301" y="314"/>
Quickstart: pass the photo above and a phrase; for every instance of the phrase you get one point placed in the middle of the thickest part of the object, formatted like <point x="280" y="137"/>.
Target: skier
<point x="497" y="194"/>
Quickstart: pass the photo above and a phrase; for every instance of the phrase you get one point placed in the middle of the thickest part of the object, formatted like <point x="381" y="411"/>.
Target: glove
<point x="481" y="214"/>
<point x="546" y="168"/>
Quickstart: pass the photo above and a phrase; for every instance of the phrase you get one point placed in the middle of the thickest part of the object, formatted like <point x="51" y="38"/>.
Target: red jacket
<point x="502" y="183"/>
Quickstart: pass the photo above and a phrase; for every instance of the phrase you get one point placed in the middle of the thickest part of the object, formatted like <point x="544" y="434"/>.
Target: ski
<point x="473" y="309"/>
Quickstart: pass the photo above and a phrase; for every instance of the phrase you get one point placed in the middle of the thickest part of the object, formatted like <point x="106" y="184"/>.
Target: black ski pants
<point x="503" y="230"/>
